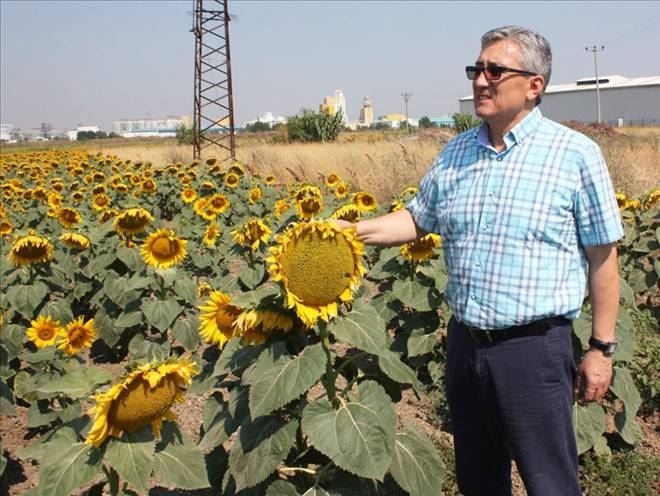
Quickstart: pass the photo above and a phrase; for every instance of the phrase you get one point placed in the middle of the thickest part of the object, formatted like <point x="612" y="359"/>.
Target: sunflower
<point x="6" y="227"/>
<point x="252" y="234"/>
<point x="163" y="249"/>
<point x="202" y="208"/>
<point x="188" y="195"/>
<point x="121" y="188"/>
<point x="422" y="248"/>
<point x="621" y="199"/>
<point x="211" y="234"/>
<point x="99" y="189"/>
<point x="78" y="196"/>
<point x="215" y="170"/>
<point x="269" y="180"/>
<point x="236" y="168"/>
<point x="208" y="185"/>
<point x="218" y="203"/>
<point x="396" y="205"/>
<point x="142" y="398"/>
<point x="632" y="205"/>
<point x="254" y="195"/>
<point x="149" y="186"/>
<point x="332" y="180"/>
<point x="651" y="199"/>
<point x="54" y="200"/>
<point x="216" y="322"/>
<point x="255" y="326"/>
<point x="41" y="194"/>
<point x="365" y="201"/>
<point x="30" y="249"/>
<point x="106" y="215"/>
<point x="281" y="206"/>
<point x="76" y="336"/>
<point x="43" y="331"/>
<point x="132" y="221"/>
<point x="307" y="191"/>
<point x="341" y="190"/>
<point x="350" y="213"/>
<point x="318" y="264"/>
<point x="309" y="207"/>
<point x="68" y="217"/>
<point x="75" y="240"/>
<point x="100" y="202"/>
<point x="232" y="179"/>
<point x="204" y="289"/>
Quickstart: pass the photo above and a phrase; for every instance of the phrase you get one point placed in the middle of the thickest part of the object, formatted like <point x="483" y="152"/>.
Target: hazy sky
<point x="92" y="62"/>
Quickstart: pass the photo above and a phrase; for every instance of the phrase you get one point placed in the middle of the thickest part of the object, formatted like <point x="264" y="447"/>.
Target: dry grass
<point x="633" y="161"/>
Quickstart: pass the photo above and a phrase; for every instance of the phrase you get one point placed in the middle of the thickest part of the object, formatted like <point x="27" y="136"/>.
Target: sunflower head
<point x="100" y="202"/>
<point x="269" y="180"/>
<point x="217" y="317"/>
<point x="77" y="335"/>
<point x="318" y="264"/>
<point x="75" y="240"/>
<point x="142" y="398"/>
<point x="6" y="227"/>
<point x="149" y="185"/>
<point x="218" y="203"/>
<point x="254" y="195"/>
<point x="396" y="205"/>
<point x="309" y="207"/>
<point x="132" y="221"/>
<point x="68" y="217"/>
<point x="332" y="180"/>
<point x="188" y="195"/>
<point x="350" y="213"/>
<point x="232" y="179"/>
<point x="43" y="331"/>
<point x="341" y="190"/>
<point x="30" y="249"/>
<point x="307" y="191"/>
<point x="281" y="206"/>
<point x="366" y="202"/>
<point x="163" y="249"/>
<point x="236" y="168"/>
<point x="211" y="234"/>
<point x="108" y="214"/>
<point x="422" y="248"/>
<point x="252" y="234"/>
<point x="255" y="326"/>
<point x="621" y="199"/>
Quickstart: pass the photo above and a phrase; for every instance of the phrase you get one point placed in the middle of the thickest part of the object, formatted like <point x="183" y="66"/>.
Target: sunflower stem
<point x="413" y="266"/>
<point x="330" y="374"/>
<point x="113" y="479"/>
<point x="32" y="273"/>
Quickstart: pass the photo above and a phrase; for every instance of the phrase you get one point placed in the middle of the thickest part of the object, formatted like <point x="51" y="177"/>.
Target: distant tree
<point x="425" y="122"/>
<point x="464" y="122"/>
<point x="101" y="134"/>
<point x="185" y="135"/>
<point x="381" y="125"/>
<point x="314" y="126"/>
<point x="258" y="127"/>
<point x="112" y="134"/>
<point x="85" y="135"/>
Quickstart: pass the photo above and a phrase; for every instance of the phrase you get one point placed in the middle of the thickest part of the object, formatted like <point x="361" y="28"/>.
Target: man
<point x="524" y="206"/>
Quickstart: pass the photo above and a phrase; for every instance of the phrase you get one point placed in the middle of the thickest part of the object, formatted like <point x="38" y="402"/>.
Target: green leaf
<point x="106" y="329"/>
<point x="589" y="425"/>
<point x="186" y="289"/>
<point x="140" y="348"/>
<point x="6" y="400"/>
<point x="415" y="295"/>
<point x="59" y="310"/>
<point x="623" y="386"/>
<point x="421" y="342"/>
<point x="416" y="465"/>
<point x="228" y="420"/>
<point x="261" y="445"/>
<point x="382" y="306"/>
<point x="76" y="384"/>
<point x="12" y="337"/>
<point x="625" y="335"/>
<point x="277" y="381"/>
<point x="168" y="276"/>
<point x="601" y="448"/>
<point x="282" y="488"/>
<point x="582" y="329"/>
<point x="132" y="457"/>
<point x="627" y="294"/>
<point x="252" y="276"/>
<point x="178" y="462"/>
<point x="362" y="327"/>
<point x="186" y="332"/>
<point x="627" y="425"/>
<point x="131" y="258"/>
<point x="390" y="363"/>
<point x="73" y="467"/>
<point x="115" y="288"/>
<point x="252" y="299"/>
<point x="160" y="314"/>
<point x="130" y="319"/>
<point x="26" y="299"/>
<point x="235" y="356"/>
<point x="359" y="435"/>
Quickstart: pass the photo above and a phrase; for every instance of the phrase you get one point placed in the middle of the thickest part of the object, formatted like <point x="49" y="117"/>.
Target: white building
<point x="623" y="101"/>
<point x="5" y="132"/>
<point x="366" y="112"/>
<point x="340" y="104"/>
<point x="73" y="135"/>
<point x="146" y="128"/>
<point x="267" y="118"/>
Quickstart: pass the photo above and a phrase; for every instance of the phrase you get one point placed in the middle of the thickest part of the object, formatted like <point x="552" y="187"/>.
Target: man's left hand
<point x="594" y="376"/>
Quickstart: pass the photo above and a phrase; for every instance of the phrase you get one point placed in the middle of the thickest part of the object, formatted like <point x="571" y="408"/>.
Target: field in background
<point x="380" y="162"/>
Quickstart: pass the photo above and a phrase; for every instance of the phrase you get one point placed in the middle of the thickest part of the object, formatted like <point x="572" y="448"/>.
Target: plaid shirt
<point x="514" y="223"/>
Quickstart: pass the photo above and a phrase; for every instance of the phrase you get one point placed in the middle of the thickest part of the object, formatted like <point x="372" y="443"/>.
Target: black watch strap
<point x="607" y="347"/>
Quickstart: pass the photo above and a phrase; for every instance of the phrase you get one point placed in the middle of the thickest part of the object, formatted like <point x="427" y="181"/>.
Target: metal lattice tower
<point x="213" y="116"/>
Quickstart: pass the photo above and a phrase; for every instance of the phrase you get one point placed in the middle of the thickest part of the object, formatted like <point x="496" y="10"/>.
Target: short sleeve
<point x="423" y="207"/>
<point x="596" y="210"/>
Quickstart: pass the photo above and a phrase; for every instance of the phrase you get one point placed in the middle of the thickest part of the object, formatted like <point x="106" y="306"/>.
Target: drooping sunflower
<point x="281" y="206"/>
<point x="651" y="199"/>
<point x="218" y="203"/>
<point x="108" y="214"/>
<point x="256" y="325"/>
<point x="75" y="240"/>
<point x="365" y="201"/>
<point x="396" y="205"/>
<point x="318" y="264"/>
<point x="621" y="199"/>
<point x="132" y="221"/>
<point x="6" y="227"/>
<point x="188" y="195"/>
<point x="252" y="234"/>
<point x="332" y="180"/>
<point x="308" y="207"/>
<point x="163" y="249"/>
<point x="307" y="191"/>
<point x="632" y="205"/>
<point x="216" y="322"/>
<point x="236" y="168"/>
<point x="341" y="190"/>
<point x="99" y="189"/>
<point x="77" y="335"/>
<point x="30" y="249"/>
<point x="421" y="249"/>
<point x="43" y="331"/>
<point x="254" y="195"/>
<point x="208" y="186"/>
<point x="232" y="179"/>
<point x="350" y="213"/>
<point x="68" y="217"/>
<point x="211" y="234"/>
<point x="142" y="398"/>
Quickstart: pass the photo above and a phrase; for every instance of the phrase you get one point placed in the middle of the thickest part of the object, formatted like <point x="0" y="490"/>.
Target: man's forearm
<point x="392" y="229"/>
<point x="603" y="290"/>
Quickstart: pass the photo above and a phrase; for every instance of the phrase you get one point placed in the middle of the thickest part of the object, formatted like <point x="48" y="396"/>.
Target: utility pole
<point x="595" y="51"/>
<point x="406" y="96"/>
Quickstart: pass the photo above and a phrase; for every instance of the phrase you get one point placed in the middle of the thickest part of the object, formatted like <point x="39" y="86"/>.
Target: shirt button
<point x="478" y="264"/>
<point x="485" y="228"/>
<point x="499" y="159"/>
<point x="492" y="193"/>
<point x="474" y="297"/>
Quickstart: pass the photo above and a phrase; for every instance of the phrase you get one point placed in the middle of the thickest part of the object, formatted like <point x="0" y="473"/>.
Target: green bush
<point x="314" y="126"/>
<point x="185" y="135"/>
<point x="464" y="122"/>
<point x="629" y="473"/>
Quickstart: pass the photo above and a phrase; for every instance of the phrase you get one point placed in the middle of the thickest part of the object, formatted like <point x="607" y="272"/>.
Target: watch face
<point x="611" y="348"/>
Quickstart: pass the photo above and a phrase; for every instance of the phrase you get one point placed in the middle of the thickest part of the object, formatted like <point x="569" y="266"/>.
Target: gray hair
<point x="536" y="55"/>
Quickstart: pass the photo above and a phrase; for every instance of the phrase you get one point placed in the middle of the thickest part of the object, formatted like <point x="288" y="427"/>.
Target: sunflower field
<point x="202" y="279"/>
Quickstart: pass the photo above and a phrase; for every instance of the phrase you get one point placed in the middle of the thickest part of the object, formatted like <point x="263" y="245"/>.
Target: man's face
<point x="505" y="99"/>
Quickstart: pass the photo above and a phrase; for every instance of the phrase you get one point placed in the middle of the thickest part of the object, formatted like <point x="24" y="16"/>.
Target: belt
<point x="497" y="335"/>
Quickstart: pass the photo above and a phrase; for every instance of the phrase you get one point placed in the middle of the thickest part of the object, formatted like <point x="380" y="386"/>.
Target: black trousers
<point x="513" y="400"/>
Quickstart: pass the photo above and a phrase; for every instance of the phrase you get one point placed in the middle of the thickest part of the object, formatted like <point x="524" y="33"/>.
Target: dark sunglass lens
<point x="495" y="72"/>
<point x="471" y="73"/>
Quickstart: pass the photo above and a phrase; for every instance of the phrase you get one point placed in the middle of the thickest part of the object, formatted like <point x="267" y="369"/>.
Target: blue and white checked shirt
<point x="513" y="223"/>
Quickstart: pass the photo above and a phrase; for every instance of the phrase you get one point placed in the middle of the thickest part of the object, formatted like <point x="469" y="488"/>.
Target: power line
<point x="406" y="96"/>
<point x="595" y="51"/>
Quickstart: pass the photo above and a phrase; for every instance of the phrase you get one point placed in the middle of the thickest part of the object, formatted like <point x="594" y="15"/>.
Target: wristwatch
<point x="607" y="347"/>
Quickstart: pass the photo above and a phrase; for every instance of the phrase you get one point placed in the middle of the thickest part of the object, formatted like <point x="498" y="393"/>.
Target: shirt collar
<point x="516" y="135"/>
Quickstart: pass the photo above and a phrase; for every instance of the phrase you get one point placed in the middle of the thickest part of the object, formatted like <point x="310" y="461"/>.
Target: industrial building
<point x="623" y="101"/>
<point x="147" y="128"/>
<point x="5" y="132"/>
<point x="333" y="104"/>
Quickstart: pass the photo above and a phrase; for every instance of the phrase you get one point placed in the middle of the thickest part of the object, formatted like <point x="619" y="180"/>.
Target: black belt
<point x="531" y="329"/>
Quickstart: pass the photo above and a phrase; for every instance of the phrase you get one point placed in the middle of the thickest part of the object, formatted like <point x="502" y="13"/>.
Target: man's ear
<point x="536" y="84"/>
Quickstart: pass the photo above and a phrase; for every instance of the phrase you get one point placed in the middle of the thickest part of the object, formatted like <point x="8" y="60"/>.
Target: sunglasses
<point x="492" y="72"/>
